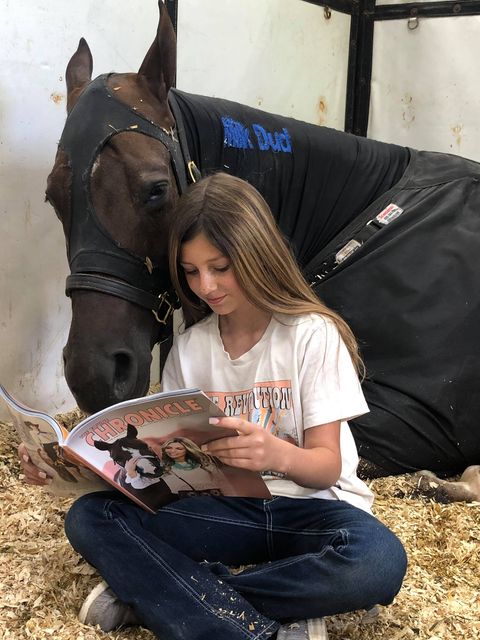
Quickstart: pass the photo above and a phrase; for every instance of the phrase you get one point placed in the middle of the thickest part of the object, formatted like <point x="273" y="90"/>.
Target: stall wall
<point x="282" y="56"/>
<point x="285" y="57"/>
<point x="424" y="90"/>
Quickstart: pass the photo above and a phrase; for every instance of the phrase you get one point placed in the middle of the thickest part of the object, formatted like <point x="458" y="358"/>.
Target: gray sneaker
<point x="314" y="629"/>
<point x="103" y="608"/>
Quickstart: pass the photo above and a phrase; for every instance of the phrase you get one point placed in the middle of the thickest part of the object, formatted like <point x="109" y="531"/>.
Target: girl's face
<point x="175" y="451"/>
<point x="209" y="275"/>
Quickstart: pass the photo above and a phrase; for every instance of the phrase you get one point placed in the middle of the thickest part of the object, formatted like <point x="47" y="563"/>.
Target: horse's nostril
<point x="123" y="362"/>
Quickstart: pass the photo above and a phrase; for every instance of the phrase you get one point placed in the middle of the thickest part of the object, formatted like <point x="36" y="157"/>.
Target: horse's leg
<point x="445" y="491"/>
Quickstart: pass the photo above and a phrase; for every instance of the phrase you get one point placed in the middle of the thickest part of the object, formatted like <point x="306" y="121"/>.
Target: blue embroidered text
<point x="237" y="135"/>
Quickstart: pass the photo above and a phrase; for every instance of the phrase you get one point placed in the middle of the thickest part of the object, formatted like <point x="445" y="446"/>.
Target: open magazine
<point x="149" y="448"/>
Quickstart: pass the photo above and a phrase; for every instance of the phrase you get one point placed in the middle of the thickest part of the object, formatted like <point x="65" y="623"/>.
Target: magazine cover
<point x="149" y="448"/>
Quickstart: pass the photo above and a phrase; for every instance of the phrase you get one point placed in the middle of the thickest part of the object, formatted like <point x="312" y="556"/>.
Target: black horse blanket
<point x="409" y="290"/>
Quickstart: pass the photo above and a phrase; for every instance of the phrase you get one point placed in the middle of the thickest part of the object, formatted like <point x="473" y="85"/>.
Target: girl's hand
<point x="317" y="464"/>
<point x="250" y="448"/>
<point x="33" y="474"/>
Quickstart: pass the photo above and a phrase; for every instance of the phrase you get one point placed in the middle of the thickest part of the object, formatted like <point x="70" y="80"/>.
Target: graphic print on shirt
<point x="268" y="404"/>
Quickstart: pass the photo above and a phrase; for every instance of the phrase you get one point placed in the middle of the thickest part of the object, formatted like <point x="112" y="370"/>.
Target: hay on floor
<point x="43" y="581"/>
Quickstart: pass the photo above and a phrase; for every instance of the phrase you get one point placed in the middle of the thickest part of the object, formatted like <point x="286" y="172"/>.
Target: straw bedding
<point x="43" y="582"/>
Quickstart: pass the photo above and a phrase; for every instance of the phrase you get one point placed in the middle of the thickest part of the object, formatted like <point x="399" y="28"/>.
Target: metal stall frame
<point x="172" y="8"/>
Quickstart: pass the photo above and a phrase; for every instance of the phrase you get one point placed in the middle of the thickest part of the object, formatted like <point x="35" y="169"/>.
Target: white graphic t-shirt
<point x="299" y="375"/>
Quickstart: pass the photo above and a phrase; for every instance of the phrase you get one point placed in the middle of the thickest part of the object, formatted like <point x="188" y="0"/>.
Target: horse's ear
<point x="131" y="431"/>
<point x="79" y="72"/>
<point x="160" y="64"/>
<point x="103" y="446"/>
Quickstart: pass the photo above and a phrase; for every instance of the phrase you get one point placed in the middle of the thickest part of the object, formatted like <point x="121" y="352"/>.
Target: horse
<point x="364" y="218"/>
<point x="147" y="484"/>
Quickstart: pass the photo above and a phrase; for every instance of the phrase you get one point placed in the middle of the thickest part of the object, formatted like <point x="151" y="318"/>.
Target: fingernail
<point x="25" y="458"/>
<point x="42" y="474"/>
<point x="213" y="420"/>
<point x="204" y="447"/>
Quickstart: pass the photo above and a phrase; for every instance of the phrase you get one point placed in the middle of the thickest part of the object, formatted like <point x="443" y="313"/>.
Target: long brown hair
<point x="235" y="218"/>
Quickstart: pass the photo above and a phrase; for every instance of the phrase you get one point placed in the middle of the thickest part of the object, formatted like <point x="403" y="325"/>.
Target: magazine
<point x="149" y="448"/>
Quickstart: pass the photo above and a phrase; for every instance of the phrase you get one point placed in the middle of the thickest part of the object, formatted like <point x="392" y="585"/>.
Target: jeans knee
<point x="82" y="519"/>
<point x="389" y="560"/>
<point x="378" y="568"/>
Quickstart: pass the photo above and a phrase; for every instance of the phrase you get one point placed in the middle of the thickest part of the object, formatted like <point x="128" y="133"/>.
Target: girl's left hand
<point x="250" y="448"/>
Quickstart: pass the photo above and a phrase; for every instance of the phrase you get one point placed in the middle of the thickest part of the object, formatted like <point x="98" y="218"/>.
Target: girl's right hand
<point x="33" y="474"/>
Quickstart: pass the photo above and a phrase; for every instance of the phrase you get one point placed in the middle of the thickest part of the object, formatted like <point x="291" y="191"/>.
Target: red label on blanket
<point x="389" y="213"/>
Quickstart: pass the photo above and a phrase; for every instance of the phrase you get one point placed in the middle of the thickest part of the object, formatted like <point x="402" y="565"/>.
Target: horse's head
<point x="128" y="447"/>
<point x="115" y="180"/>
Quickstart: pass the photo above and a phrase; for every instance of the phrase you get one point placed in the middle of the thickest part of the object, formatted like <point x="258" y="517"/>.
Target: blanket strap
<point x="334" y="259"/>
<point x="193" y="171"/>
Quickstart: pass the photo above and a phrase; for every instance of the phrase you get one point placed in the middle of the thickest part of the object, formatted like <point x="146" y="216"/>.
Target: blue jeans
<point x="311" y="558"/>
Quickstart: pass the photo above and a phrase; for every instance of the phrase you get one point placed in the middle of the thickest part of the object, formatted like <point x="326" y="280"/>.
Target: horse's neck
<point x="315" y="179"/>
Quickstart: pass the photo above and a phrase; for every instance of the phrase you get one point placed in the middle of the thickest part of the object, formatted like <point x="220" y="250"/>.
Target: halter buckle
<point x="193" y="171"/>
<point x="163" y="300"/>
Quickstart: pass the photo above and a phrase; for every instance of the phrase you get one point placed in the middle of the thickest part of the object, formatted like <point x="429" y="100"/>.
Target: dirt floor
<point x="43" y="582"/>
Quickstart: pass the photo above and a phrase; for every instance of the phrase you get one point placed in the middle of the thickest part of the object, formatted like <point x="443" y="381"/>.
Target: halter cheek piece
<point x="97" y="262"/>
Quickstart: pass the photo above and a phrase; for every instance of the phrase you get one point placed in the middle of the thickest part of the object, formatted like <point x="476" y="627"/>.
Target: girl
<point x="284" y="368"/>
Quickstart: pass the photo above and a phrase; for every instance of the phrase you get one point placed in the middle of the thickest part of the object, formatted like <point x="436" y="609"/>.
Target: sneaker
<point x="314" y="629"/>
<point x="103" y="608"/>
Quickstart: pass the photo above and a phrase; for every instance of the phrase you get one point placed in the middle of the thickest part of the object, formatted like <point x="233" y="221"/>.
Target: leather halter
<point x="97" y="262"/>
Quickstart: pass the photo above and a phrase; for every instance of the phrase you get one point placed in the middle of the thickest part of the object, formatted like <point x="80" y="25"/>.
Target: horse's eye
<point x="158" y="189"/>
<point x="157" y="196"/>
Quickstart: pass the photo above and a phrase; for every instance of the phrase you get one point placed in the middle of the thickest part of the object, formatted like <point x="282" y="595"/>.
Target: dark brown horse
<point x="131" y="192"/>
<point x="130" y="146"/>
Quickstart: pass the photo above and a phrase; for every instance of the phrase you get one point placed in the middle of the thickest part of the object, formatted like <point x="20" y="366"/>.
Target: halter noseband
<point x="94" y="120"/>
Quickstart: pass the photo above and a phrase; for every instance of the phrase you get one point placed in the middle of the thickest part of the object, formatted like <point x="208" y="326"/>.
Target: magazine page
<point x="150" y="448"/>
<point x="41" y="435"/>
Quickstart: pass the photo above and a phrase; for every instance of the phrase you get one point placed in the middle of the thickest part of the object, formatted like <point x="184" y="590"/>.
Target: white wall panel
<point x="425" y="92"/>
<point x="282" y="56"/>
